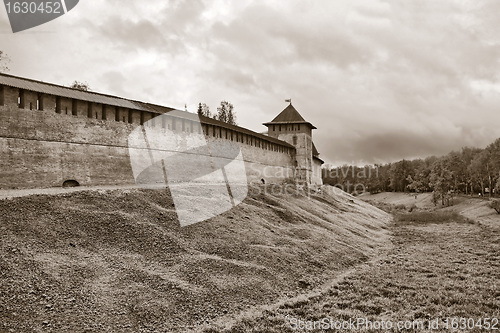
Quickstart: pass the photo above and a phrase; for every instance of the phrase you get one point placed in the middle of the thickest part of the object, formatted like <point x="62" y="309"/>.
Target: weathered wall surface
<point x="303" y="146"/>
<point x="45" y="148"/>
<point x="316" y="177"/>
<point x="261" y="164"/>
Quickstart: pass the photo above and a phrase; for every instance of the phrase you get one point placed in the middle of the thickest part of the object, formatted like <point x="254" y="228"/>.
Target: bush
<point x="412" y="208"/>
<point x="432" y="217"/>
<point x="495" y="204"/>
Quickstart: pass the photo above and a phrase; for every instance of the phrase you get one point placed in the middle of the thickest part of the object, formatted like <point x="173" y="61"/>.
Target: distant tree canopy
<point x="84" y="86"/>
<point x="204" y="110"/>
<point x="225" y="112"/>
<point x="469" y="171"/>
<point x="4" y="60"/>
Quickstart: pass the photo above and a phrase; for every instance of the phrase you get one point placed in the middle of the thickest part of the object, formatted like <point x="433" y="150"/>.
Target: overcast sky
<point x="381" y="80"/>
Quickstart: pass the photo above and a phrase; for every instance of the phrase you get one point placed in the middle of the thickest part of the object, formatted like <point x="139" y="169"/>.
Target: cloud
<point x="382" y="80"/>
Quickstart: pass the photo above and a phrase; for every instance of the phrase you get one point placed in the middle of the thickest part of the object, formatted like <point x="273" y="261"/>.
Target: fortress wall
<point x="48" y="102"/>
<point x="29" y="99"/>
<point x="38" y="164"/>
<point x="10" y="95"/>
<point x="316" y="177"/>
<point x="81" y="108"/>
<point x="272" y="166"/>
<point x="44" y="148"/>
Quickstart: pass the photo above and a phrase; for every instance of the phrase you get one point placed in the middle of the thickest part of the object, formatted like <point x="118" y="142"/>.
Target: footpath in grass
<point x="440" y="266"/>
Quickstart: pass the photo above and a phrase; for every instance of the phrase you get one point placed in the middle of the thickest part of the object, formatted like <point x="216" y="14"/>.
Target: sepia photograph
<point x="221" y="166"/>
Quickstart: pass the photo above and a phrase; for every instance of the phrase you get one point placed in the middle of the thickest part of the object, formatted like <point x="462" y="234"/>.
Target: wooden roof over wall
<point x="89" y="96"/>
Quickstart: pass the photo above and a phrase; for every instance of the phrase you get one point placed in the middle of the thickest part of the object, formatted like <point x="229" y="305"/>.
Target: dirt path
<point x="434" y="271"/>
<point x="7" y="194"/>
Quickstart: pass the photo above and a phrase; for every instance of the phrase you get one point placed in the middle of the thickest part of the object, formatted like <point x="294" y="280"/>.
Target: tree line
<point x="468" y="171"/>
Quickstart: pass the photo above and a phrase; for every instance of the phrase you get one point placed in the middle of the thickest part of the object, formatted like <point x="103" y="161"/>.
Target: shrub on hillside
<point x="495" y="204"/>
<point x="400" y="207"/>
<point x="432" y="217"/>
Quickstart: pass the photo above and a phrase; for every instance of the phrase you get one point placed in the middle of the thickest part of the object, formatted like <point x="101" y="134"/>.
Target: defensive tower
<point x="291" y="127"/>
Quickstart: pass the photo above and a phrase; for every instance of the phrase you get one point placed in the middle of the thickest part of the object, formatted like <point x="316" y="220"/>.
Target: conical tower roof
<point x="289" y="116"/>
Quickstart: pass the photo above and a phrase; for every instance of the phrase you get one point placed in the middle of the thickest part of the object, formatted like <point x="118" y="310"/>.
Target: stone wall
<point x="317" y="177"/>
<point x="43" y="148"/>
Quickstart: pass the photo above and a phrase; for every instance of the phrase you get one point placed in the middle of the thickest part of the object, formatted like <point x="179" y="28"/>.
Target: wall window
<point x="20" y="99"/>
<point x="130" y="112"/>
<point x="298" y="127"/>
<point x="294" y="140"/>
<point x="39" y="102"/>
<point x="74" y="107"/>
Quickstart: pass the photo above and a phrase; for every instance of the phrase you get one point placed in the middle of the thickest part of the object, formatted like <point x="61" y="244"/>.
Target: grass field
<point x="440" y="266"/>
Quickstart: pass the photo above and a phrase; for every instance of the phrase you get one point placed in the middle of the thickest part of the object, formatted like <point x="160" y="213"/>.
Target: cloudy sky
<point x="382" y="80"/>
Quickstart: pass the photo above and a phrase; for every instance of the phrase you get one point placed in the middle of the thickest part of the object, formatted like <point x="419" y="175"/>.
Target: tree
<point x="494" y="164"/>
<point x="4" y="60"/>
<point x="399" y="173"/>
<point x="441" y="180"/>
<point x="84" y="86"/>
<point x="225" y="113"/>
<point x="468" y="155"/>
<point x="458" y="168"/>
<point x="479" y="169"/>
<point x="204" y="110"/>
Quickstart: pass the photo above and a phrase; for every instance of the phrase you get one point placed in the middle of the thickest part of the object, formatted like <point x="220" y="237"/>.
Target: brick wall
<point x="45" y="148"/>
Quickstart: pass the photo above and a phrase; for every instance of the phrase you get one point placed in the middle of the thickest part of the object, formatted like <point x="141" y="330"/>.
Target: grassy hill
<point x="472" y="207"/>
<point x="117" y="260"/>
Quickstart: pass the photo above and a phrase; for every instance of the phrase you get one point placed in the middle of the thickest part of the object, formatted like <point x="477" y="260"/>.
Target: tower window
<point x="298" y="127"/>
<point x="294" y="140"/>
<point x="280" y="128"/>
